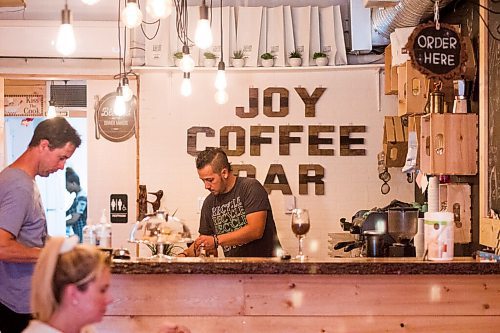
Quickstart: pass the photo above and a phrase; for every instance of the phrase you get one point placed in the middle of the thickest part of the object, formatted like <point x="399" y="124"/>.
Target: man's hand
<point x="13" y="251"/>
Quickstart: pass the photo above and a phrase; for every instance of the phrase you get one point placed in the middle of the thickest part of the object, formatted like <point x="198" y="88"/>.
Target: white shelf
<point x="260" y="69"/>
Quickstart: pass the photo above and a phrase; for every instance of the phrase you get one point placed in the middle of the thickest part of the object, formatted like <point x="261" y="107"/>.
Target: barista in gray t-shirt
<point x="23" y="226"/>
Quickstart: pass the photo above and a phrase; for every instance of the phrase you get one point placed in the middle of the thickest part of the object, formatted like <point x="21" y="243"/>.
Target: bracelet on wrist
<point x="216" y="241"/>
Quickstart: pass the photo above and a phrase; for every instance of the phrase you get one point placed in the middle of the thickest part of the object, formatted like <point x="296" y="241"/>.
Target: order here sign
<point x="438" y="53"/>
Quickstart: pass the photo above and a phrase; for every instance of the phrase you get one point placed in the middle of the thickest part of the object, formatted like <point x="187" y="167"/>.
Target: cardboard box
<point x="456" y="199"/>
<point x="449" y="144"/>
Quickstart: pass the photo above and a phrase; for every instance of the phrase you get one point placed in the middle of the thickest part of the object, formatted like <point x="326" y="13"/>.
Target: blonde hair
<point x="55" y="270"/>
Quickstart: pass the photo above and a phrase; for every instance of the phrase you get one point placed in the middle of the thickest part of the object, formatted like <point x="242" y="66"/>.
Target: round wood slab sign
<point x="437" y="53"/>
<point x="110" y="126"/>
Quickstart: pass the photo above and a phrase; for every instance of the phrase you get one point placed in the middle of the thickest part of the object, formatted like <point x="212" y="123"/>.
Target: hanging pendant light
<point x="187" y="62"/>
<point x="220" y="77"/>
<point x="120" y="106"/>
<point x="90" y="2"/>
<point x="51" y="111"/>
<point x="159" y="9"/>
<point x="186" y="88"/>
<point x="131" y="15"/>
<point x="65" y="43"/>
<point x="221" y="96"/>
<point x="203" y="35"/>
<point x="126" y="90"/>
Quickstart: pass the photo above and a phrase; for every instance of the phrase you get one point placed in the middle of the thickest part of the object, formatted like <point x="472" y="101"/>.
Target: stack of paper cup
<point x="439" y="235"/>
<point x="433" y="194"/>
<point x="418" y="239"/>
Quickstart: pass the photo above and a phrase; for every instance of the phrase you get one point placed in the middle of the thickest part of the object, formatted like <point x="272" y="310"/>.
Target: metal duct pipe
<point x="407" y="13"/>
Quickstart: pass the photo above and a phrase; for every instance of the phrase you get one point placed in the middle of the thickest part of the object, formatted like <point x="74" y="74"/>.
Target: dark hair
<point x="71" y="176"/>
<point x="216" y="157"/>
<point x="57" y="131"/>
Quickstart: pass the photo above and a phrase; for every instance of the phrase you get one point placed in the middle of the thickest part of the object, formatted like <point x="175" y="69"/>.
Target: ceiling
<point x="107" y="10"/>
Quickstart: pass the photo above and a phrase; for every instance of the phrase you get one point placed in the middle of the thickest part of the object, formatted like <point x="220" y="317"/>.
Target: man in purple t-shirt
<point x="23" y="226"/>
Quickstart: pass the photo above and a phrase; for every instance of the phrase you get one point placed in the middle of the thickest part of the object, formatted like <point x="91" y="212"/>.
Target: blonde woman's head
<point x="70" y="278"/>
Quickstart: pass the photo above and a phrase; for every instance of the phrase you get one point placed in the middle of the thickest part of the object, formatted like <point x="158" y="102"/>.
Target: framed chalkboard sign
<point x="437" y="53"/>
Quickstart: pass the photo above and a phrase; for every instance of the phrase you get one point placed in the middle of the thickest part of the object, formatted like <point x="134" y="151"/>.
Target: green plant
<point x="295" y="54"/>
<point x="319" y="55"/>
<point x="238" y="54"/>
<point x="209" y="55"/>
<point x="167" y="249"/>
<point x="178" y="55"/>
<point x="266" y="56"/>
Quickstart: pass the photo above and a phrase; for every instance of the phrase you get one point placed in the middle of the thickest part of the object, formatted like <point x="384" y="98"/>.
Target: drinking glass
<point x="300" y="227"/>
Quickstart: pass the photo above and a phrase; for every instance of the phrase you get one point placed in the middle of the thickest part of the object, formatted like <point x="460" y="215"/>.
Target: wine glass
<point x="300" y="227"/>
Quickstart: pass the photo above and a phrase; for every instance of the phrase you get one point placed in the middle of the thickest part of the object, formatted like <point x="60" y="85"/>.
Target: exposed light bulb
<point x="220" y="77"/>
<point x="65" y="43"/>
<point x="51" y="112"/>
<point x="159" y="9"/>
<point x="131" y="15"/>
<point x="203" y="35"/>
<point x="186" y="88"/>
<point x="90" y="2"/>
<point x="221" y="97"/>
<point x="119" y="107"/>
<point x="187" y="62"/>
<point x="126" y="90"/>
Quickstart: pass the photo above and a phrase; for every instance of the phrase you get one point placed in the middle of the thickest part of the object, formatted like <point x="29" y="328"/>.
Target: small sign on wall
<point x="115" y="128"/>
<point x="23" y="106"/>
<point x="118" y="208"/>
<point x="437" y="52"/>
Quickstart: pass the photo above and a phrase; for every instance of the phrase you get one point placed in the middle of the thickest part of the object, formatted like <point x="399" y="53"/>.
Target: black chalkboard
<point x="437" y="53"/>
<point x="494" y="110"/>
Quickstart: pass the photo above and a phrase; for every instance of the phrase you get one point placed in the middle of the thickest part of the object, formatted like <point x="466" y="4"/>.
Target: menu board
<point x="494" y="111"/>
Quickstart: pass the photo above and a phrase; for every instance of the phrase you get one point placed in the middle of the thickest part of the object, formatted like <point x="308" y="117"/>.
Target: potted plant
<point x="209" y="59"/>
<point x="267" y="59"/>
<point x="295" y="58"/>
<point x="177" y="58"/>
<point x="320" y="58"/>
<point x="239" y="58"/>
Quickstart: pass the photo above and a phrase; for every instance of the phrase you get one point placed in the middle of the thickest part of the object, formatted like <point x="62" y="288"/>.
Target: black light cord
<point x="221" y="35"/>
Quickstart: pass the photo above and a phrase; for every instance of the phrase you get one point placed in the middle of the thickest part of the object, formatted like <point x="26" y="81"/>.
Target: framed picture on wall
<point x="24" y="105"/>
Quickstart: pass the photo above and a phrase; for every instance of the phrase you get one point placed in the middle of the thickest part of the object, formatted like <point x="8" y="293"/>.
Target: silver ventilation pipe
<point x="407" y="13"/>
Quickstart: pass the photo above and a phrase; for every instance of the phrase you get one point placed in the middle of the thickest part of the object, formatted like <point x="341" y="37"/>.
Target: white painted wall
<point x="351" y="183"/>
<point x="111" y="167"/>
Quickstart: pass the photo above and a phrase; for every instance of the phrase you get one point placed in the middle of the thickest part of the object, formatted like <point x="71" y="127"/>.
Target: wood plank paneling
<point x="290" y="324"/>
<point x="305" y="295"/>
<point x="175" y="295"/>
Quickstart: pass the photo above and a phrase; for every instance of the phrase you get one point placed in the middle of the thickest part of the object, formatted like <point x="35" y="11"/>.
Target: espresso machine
<point x="383" y="232"/>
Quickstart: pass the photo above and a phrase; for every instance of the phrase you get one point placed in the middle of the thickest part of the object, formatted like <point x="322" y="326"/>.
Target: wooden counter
<point x="340" y="295"/>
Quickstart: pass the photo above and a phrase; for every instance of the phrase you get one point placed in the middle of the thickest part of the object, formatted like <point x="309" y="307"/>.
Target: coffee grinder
<point x="402" y="223"/>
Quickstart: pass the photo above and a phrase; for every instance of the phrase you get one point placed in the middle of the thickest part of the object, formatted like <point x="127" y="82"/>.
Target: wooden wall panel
<point x="348" y="299"/>
<point x="289" y="324"/>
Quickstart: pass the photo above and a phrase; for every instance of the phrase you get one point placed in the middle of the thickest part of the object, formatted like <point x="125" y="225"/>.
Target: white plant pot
<point x="177" y="62"/>
<point x="238" y="62"/>
<point x="209" y="62"/>
<point x="267" y="62"/>
<point x="295" y="62"/>
<point x="323" y="61"/>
